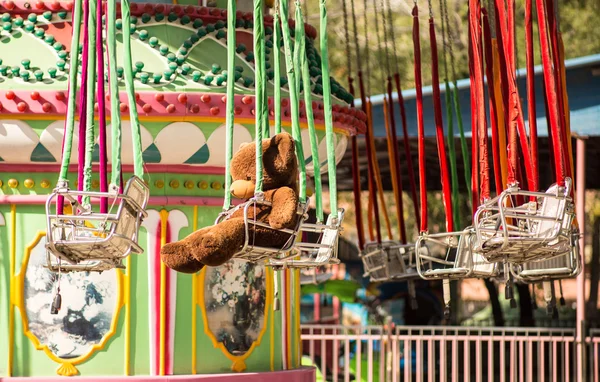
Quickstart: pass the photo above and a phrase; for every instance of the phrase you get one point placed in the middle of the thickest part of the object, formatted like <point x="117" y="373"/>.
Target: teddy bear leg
<point x="217" y="245"/>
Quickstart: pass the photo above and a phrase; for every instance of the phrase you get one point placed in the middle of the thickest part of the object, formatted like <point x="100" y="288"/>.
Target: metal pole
<point x="580" y="211"/>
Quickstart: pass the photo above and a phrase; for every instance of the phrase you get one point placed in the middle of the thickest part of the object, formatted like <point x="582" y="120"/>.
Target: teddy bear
<point x="217" y="244"/>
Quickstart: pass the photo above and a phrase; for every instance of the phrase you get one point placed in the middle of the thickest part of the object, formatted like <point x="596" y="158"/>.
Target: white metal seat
<point x="457" y="260"/>
<point x="91" y="241"/>
<point x="390" y="260"/>
<point x="537" y="230"/>
<point x="310" y="276"/>
<point x="255" y="253"/>
<point x="556" y="268"/>
<point x="309" y="255"/>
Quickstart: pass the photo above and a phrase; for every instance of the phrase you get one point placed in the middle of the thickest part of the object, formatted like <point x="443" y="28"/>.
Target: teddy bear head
<point x="280" y="167"/>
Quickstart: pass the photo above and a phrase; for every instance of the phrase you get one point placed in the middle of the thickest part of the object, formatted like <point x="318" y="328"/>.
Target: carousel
<point x="109" y="154"/>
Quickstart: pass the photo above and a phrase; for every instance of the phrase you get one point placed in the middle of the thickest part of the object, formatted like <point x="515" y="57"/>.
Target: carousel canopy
<point x="583" y="74"/>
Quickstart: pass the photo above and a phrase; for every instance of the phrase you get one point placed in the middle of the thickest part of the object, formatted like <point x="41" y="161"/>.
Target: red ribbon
<point x="439" y="130"/>
<point x="531" y="91"/>
<point x="360" y="230"/>
<point x="516" y="122"/>
<point x="474" y="129"/>
<point x="489" y="70"/>
<point x="552" y="20"/>
<point x="420" y="123"/>
<point x="409" y="161"/>
<point x="479" y="106"/>
<point x="371" y="167"/>
<point x="550" y="82"/>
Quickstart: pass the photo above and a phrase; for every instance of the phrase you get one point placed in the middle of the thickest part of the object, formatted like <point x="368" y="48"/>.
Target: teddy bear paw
<point x="178" y="257"/>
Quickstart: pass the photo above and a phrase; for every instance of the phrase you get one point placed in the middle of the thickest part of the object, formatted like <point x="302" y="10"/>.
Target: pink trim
<point x="304" y="374"/>
<point x="53" y="104"/>
<point x="169" y="310"/>
<point x="137" y="9"/>
<point x="156" y="294"/>
<point x="82" y="102"/>
<point x="151" y="168"/>
<point x="202" y="201"/>
<point x="287" y="362"/>
<point x="102" y="145"/>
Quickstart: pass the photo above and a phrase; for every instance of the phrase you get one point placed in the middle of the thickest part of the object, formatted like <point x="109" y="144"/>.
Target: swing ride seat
<point x="91" y="241"/>
<point x="255" y="253"/>
<point x="310" y="276"/>
<point x="557" y="268"/>
<point x="389" y="260"/>
<point x="459" y="260"/>
<point x="538" y="230"/>
<point x="312" y="255"/>
<point x="84" y="266"/>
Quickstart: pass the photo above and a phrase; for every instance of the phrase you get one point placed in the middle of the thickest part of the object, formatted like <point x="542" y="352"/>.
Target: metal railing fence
<point x="427" y="353"/>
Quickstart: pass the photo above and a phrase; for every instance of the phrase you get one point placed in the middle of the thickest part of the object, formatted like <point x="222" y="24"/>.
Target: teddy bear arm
<point x="284" y="207"/>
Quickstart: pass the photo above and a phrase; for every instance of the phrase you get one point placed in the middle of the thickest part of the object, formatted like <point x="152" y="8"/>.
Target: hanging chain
<point x="347" y="34"/>
<point x="305" y="18"/>
<point x="379" y="50"/>
<point x="445" y="43"/>
<point x="430" y="9"/>
<point x="367" y="48"/>
<point x="385" y="39"/>
<point x="392" y="34"/>
<point x="357" y="45"/>
<point x="450" y="38"/>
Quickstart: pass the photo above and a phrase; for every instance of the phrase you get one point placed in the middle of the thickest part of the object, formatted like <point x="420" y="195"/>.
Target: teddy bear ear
<point x="244" y="144"/>
<point x="286" y="144"/>
<point x="286" y="154"/>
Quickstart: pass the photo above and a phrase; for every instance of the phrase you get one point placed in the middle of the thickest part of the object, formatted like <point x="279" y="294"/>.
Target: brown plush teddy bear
<point x="217" y="244"/>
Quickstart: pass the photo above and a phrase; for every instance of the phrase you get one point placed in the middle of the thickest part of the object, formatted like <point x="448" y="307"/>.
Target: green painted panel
<point x="155" y="127"/>
<point x="111" y="360"/>
<point x="200" y="157"/>
<point x="39" y="125"/>
<point x="169" y="34"/>
<point x="151" y="154"/>
<point x="141" y="51"/>
<point x="41" y="154"/>
<point x="4" y="287"/>
<point x="140" y="328"/>
<point x="208" y="52"/>
<point x="22" y="45"/>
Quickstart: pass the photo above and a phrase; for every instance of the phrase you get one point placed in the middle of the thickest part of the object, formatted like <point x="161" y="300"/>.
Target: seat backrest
<point x="551" y="207"/>
<point x="137" y="190"/>
<point x="329" y="238"/>
<point x="127" y="223"/>
<point x="464" y="250"/>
